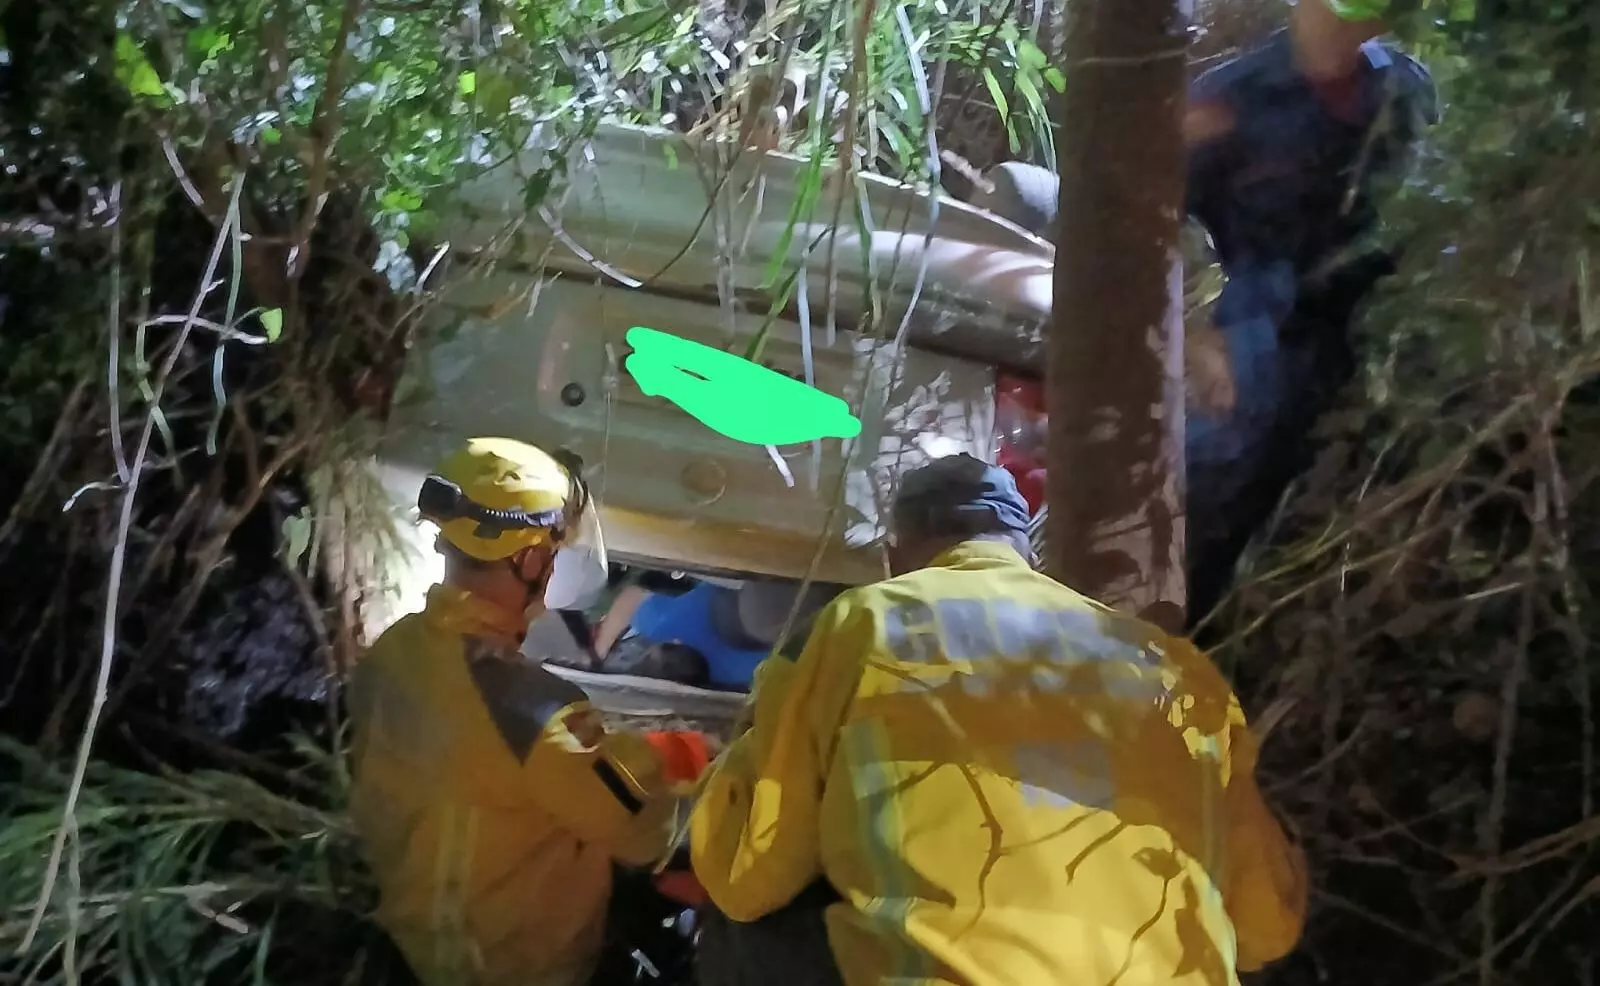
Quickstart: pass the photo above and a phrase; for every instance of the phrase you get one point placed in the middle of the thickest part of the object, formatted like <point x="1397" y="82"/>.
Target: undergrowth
<point x="201" y="876"/>
<point x="1414" y="636"/>
<point x="1417" y="634"/>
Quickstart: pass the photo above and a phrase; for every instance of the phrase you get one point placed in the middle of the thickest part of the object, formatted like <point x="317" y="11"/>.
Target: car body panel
<point x="646" y="233"/>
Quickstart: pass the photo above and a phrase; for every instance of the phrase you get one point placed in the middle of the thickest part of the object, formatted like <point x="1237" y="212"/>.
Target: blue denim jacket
<point x="1291" y="180"/>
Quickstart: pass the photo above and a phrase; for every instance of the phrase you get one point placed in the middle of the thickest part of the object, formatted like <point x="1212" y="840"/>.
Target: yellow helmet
<point x="496" y="496"/>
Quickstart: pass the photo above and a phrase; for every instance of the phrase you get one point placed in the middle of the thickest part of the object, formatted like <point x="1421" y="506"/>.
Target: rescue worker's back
<point x="1008" y="784"/>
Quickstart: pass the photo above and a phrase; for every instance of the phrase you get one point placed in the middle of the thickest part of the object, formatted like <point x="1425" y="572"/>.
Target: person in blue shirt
<point x="705" y="620"/>
<point x="713" y="635"/>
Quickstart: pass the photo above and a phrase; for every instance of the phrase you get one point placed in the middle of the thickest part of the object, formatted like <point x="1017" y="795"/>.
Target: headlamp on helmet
<point x="442" y="501"/>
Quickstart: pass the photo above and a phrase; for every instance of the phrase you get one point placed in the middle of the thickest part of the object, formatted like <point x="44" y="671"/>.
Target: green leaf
<point x="495" y="93"/>
<point x="272" y="323"/>
<point x="1032" y="99"/>
<point x="686" y="22"/>
<point x="997" y="94"/>
<point x="295" y="533"/>
<point x="1359" y="10"/>
<point x="400" y="200"/>
<point x="1055" y="78"/>
<point x="1029" y="56"/>
<point x="423" y="223"/>
<point x="136" y="73"/>
<point x="896" y="139"/>
<point x="467" y="82"/>
<point x="270" y="135"/>
<point x="640" y="26"/>
<point x="209" y="43"/>
<point x="538" y="187"/>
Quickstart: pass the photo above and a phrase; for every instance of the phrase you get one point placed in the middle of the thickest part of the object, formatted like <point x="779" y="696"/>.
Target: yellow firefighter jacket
<point x="491" y="802"/>
<point x="1007" y="784"/>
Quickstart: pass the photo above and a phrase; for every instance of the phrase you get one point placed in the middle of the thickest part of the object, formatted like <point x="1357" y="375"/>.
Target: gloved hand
<point x="684" y="754"/>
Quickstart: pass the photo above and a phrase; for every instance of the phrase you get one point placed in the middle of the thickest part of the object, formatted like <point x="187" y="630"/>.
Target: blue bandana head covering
<point x="959" y="496"/>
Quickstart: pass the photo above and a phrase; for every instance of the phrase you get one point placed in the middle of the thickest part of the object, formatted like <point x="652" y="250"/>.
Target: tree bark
<point x="1115" y="375"/>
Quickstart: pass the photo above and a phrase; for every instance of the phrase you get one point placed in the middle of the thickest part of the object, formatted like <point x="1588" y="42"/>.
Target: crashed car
<point x="924" y="314"/>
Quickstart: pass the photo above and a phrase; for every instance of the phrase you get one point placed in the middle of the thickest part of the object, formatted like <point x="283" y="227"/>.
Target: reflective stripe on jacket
<point x="491" y="802"/>
<point x="1007" y="783"/>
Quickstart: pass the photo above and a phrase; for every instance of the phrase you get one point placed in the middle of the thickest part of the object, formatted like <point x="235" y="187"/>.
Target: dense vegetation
<point x="215" y="252"/>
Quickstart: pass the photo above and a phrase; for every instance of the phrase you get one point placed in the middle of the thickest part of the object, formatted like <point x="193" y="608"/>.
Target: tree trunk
<point x="1116" y="346"/>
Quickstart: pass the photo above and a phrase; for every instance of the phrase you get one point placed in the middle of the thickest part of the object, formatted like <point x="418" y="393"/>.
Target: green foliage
<point x="1503" y="203"/>
<point x="37" y="372"/>
<point x="1359" y="10"/>
<point x="53" y="293"/>
<point x="260" y="73"/>
<point x="1020" y="81"/>
<point x="175" y="878"/>
<point x="136" y="73"/>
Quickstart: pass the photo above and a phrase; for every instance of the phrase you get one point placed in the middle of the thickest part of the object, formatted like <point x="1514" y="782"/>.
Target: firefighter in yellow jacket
<point x="490" y="800"/>
<point x="979" y="776"/>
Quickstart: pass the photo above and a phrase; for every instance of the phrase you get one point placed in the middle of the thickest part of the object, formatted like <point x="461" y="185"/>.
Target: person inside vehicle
<point x="493" y="805"/>
<point x="712" y="636"/>
<point x="974" y="775"/>
<point x="1289" y="145"/>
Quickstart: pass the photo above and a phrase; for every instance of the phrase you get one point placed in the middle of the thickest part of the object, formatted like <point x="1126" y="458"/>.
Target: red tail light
<point x="1020" y="424"/>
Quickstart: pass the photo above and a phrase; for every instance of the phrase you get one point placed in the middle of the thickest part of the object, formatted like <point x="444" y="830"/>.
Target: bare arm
<point x="617" y="618"/>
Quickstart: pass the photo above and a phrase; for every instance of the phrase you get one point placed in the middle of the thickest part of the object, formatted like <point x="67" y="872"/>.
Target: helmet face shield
<point x="581" y="567"/>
